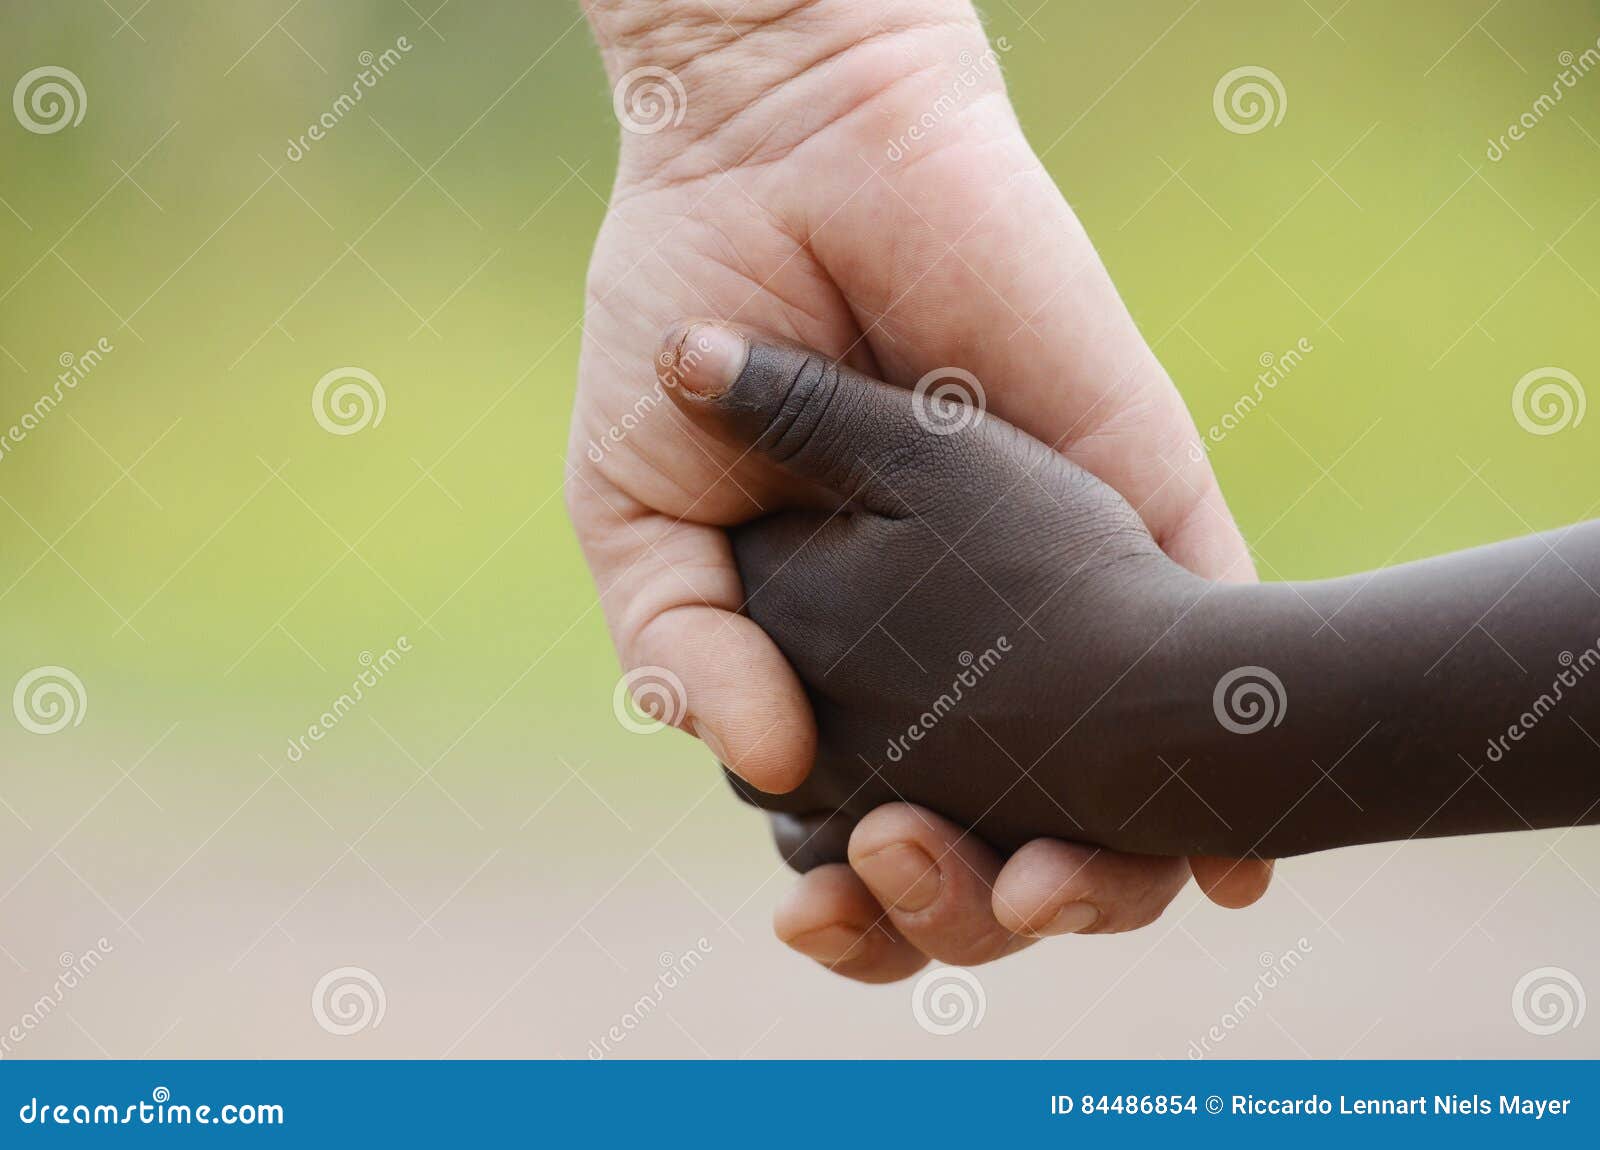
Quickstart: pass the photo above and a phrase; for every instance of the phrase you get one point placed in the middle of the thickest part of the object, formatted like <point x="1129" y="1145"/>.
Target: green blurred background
<point x="212" y="564"/>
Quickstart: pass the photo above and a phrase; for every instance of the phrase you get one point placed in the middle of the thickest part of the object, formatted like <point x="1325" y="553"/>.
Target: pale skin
<point x="775" y="203"/>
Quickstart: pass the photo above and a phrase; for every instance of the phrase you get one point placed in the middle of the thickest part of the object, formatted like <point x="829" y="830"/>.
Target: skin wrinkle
<point x="757" y="284"/>
<point x="836" y="888"/>
<point x="931" y="149"/>
<point x="800" y="400"/>
<point x="863" y="97"/>
<point x="647" y="30"/>
<point x="627" y="198"/>
<point x="1174" y="541"/>
<point x="761" y="158"/>
<point x="688" y="492"/>
<point x="1144" y="895"/>
<point x="637" y="617"/>
<point x="862" y="103"/>
<point x="730" y="252"/>
<point x="967" y="872"/>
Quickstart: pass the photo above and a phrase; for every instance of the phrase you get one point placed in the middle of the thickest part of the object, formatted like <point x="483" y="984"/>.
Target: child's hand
<point x="987" y="630"/>
<point x="965" y="615"/>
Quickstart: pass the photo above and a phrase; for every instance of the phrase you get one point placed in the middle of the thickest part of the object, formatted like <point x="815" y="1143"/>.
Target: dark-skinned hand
<point x="988" y="631"/>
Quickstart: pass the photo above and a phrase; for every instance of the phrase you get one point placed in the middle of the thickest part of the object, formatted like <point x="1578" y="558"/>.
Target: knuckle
<point x="798" y="425"/>
<point x="961" y="948"/>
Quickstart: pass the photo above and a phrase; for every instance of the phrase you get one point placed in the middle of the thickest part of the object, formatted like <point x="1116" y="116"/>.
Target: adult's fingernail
<point x="1071" y="919"/>
<point x="902" y="876"/>
<point x="704" y="359"/>
<point x="831" y="945"/>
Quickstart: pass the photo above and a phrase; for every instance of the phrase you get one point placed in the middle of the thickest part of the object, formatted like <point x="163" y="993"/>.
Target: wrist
<point x="674" y="34"/>
<point x="1205" y="691"/>
<point x="684" y="72"/>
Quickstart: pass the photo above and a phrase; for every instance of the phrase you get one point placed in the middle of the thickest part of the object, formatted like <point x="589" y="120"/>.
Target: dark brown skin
<point x="987" y="630"/>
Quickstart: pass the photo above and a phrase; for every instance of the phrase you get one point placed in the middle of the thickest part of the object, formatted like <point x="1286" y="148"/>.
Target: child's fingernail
<point x="704" y="359"/>
<point x="1071" y="919"/>
<point x="902" y="876"/>
<point x="831" y="945"/>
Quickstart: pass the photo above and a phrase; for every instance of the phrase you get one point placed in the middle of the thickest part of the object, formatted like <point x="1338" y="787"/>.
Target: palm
<point x="659" y="258"/>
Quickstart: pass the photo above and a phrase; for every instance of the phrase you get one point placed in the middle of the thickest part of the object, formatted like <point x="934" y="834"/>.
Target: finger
<point x="671" y="594"/>
<point x="823" y="422"/>
<point x="1050" y="887"/>
<point x="1232" y="883"/>
<point x="934" y="881"/>
<point x="831" y="918"/>
<point x="807" y="842"/>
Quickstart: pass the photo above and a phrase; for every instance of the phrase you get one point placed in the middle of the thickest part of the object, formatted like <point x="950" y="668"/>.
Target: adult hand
<point x="769" y="175"/>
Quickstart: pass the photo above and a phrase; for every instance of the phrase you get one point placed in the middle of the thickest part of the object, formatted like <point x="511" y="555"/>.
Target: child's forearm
<point x="1452" y="696"/>
<point x="1457" y="695"/>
